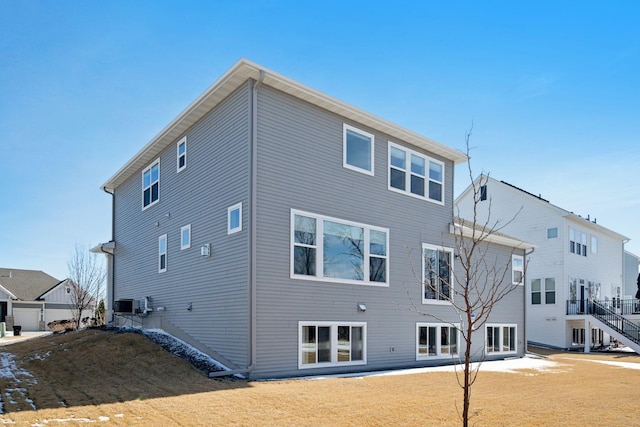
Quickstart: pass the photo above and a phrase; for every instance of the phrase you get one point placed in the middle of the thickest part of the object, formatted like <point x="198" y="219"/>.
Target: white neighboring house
<point x="32" y="298"/>
<point x="575" y="276"/>
<point x="631" y="275"/>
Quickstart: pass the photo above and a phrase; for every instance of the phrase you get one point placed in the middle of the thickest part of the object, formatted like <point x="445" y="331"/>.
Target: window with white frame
<point x="415" y="174"/>
<point x="151" y="184"/>
<point x="552" y="233"/>
<point x="500" y="339"/>
<point x="234" y="218"/>
<point x="594" y="244"/>
<point x="543" y="296"/>
<point x="185" y="237"/>
<point x="331" y="344"/>
<point x="437" y="274"/>
<point x="517" y="269"/>
<point x="162" y="253"/>
<point x="357" y="150"/>
<point x="181" y="159"/>
<point x="578" y="336"/>
<point x="577" y="242"/>
<point x="436" y="340"/>
<point x="335" y="250"/>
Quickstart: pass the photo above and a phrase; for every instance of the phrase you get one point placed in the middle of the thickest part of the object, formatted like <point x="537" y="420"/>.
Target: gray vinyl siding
<point x="216" y="177"/>
<point x="300" y="167"/>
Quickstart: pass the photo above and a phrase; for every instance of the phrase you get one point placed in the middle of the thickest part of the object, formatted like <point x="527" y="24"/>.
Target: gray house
<point x="283" y="231"/>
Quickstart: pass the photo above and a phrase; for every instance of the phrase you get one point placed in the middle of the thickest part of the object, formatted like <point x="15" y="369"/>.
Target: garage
<point x="28" y="318"/>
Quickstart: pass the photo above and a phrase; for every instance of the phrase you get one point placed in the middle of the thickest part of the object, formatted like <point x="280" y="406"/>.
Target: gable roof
<point x="244" y="70"/>
<point x="585" y="222"/>
<point x="26" y="285"/>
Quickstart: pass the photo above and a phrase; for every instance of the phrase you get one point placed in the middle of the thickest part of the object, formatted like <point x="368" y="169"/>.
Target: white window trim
<point x="230" y="209"/>
<point x="514" y="270"/>
<point x="501" y="326"/>
<point x="427" y="159"/>
<point x="148" y="168"/>
<point x="319" y="277"/>
<point x="451" y="279"/>
<point x="594" y="244"/>
<point x="334" y="344"/>
<point x="346" y="165"/>
<point x="438" y="354"/>
<point x="160" y="253"/>
<point x="178" y="144"/>
<point x="182" y="230"/>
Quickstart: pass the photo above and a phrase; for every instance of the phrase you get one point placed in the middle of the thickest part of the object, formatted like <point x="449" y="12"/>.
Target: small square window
<point x="552" y="233"/>
<point x="182" y="154"/>
<point x="357" y="150"/>
<point x="234" y="218"/>
<point x="185" y="237"/>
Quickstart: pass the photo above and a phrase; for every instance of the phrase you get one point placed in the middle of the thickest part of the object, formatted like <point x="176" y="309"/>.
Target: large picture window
<point x="331" y="344"/>
<point x="330" y="249"/>
<point x="415" y="174"/>
<point x="577" y="242"/>
<point x="358" y="148"/>
<point x="437" y="340"/>
<point x="437" y="274"/>
<point x="500" y="339"/>
<point x="151" y="184"/>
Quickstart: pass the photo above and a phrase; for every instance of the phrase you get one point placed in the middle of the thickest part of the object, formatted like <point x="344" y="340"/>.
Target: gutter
<point x="111" y="274"/>
<point x="253" y="226"/>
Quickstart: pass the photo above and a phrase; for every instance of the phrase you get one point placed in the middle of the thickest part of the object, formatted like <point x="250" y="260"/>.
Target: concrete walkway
<point x="9" y="338"/>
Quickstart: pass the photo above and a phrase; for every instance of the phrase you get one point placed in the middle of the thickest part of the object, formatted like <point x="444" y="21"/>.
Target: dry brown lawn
<point x="125" y="379"/>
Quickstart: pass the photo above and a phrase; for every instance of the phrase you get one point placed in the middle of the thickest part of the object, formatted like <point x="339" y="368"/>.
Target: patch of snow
<point x="510" y="366"/>
<point x="17" y="377"/>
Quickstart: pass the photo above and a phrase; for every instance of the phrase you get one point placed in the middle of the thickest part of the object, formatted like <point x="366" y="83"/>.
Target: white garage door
<point x="51" y="314"/>
<point x="28" y="318"/>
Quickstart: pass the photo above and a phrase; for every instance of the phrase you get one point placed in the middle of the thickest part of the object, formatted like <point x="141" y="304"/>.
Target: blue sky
<point x="552" y="90"/>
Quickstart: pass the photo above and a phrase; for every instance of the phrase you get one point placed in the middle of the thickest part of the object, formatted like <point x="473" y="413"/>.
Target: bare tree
<point x="86" y="277"/>
<point x="477" y="285"/>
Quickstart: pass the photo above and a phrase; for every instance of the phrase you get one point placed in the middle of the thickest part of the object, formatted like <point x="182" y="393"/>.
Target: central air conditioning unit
<point x="126" y="306"/>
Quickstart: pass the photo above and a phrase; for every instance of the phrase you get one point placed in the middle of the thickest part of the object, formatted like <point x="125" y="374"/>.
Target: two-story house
<point x="574" y="275"/>
<point x="284" y="232"/>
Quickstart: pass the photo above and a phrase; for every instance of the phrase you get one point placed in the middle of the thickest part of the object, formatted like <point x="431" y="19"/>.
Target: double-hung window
<point x="577" y="242"/>
<point x="436" y="340"/>
<point x="181" y="159"/>
<point x="162" y="253"/>
<point x="437" y="274"/>
<point x="546" y="295"/>
<point x="500" y="339"/>
<point x="331" y="344"/>
<point x="415" y="174"/>
<point x="357" y="150"/>
<point x="517" y="269"/>
<point x="334" y="250"/>
<point x="151" y="184"/>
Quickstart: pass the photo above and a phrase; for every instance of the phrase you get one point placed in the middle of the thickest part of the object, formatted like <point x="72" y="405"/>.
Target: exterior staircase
<point x="616" y="325"/>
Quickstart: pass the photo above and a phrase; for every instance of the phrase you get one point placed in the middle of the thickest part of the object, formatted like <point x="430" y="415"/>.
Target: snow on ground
<point x="20" y="379"/>
<point x="628" y="365"/>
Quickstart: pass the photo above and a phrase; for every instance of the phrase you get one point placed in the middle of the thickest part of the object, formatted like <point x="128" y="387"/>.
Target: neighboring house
<point x="283" y="232"/>
<point x="574" y="277"/>
<point x="31" y="299"/>
<point x="631" y="267"/>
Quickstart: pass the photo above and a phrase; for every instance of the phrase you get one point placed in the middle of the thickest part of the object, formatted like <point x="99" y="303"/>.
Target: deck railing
<point x="618" y="306"/>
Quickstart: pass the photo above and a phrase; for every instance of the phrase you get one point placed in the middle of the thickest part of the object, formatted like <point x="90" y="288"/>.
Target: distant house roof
<point x="244" y="70"/>
<point x="587" y="222"/>
<point x="26" y="285"/>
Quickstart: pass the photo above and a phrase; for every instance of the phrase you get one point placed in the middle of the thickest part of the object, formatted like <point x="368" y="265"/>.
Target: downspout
<point x="110" y="271"/>
<point x="524" y="297"/>
<point x="253" y="213"/>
